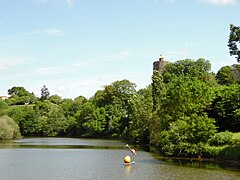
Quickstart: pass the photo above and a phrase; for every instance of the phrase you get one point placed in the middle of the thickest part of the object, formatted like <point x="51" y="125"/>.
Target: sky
<point x="76" y="47"/>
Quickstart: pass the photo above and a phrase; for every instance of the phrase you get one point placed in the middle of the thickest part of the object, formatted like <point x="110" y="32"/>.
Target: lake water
<point x="73" y="159"/>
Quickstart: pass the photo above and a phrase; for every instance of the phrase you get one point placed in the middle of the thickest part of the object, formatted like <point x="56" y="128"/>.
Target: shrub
<point x="236" y="138"/>
<point x="8" y="128"/>
<point x="212" y="151"/>
<point x="221" y="138"/>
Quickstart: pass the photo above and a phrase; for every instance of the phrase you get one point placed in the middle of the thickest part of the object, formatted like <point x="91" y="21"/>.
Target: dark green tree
<point x="234" y="41"/>
<point x="226" y="107"/>
<point x="44" y="93"/>
<point x="26" y="117"/>
<point x="158" y="89"/>
<point x="20" y="96"/>
<point x="95" y="124"/>
<point x="115" y="100"/>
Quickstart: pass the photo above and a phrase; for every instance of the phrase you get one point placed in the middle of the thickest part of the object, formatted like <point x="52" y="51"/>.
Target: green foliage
<point x="26" y="117"/>
<point x="234" y="41"/>
<point x="82" y="116"/>
<point x="226" y="76"/>
<point x="212" y="151"/>
<point x="236" y="139"/>
<point x="3" y="107"/>
<point x="184" y="97"/>
<point x="8" y="128"/>
<point x="222" y="152"/>
<point x="187" y="136"/>
<point x="139" y="116"/>
<point x="51" y="119"/>
<point x="158" y="89"/>
<point x="176" y="113"/>
<point x="96" y="123"/>
<point x="20" y="96"/>
<point x="223" y="145"/>
<point x="225" y="108"/>
<point x="55" y="99"/>
<point x="199" y="69"/>
<point x="221" y="138"/>
<point x="115" y="99"/>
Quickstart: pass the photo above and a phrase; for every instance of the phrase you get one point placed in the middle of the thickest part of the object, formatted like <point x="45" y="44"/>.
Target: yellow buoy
<point x="127" y="159"/>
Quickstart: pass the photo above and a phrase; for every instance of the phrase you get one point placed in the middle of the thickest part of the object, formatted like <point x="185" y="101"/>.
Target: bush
<point x="221" y="138"/>
<point x="230" y="153"/>
<point x="236" y="138"/>
<point x="8" y="128"/>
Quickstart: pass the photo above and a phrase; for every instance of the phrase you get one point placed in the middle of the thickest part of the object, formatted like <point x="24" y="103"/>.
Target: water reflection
<point x="73" y="158"/>
<point x="62" y="143"/>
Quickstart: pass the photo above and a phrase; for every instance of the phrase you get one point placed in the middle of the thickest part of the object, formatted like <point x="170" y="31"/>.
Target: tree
<point x="158" y="89"/>
<point x="226" y="76"/>
<point x="226" y="107"/>
<point x="51" y="120"/>
<point x="8" y="128"/>
<point x="233" y="42"/>
<point x="18" y="91"/>
<point x="96" y="123"/>
<point x="115" y="98"/>
<point x="182" y="121"/>
<point x="20" y="96"/>
<point x="139" y="116"/>
<point x="55" y="99"/>
<point x="44" y="93"/>
<point x="3" y="107"/>
<point x="187" y="135"/>
<point x="199" y="69"/>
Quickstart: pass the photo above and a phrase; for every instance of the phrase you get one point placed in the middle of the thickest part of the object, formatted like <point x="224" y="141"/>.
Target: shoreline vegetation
<point x="186" y="112"/>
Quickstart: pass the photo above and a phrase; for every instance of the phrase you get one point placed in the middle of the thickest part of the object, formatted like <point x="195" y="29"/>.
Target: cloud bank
<point x="221" y="2"/>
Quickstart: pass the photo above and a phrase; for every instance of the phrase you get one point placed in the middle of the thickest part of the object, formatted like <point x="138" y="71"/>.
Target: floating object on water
<point x="132" y="150"/>
<point x="127" y="159"/>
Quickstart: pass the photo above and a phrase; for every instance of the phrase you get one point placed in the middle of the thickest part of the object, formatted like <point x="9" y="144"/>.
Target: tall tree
<point x="158" y="89"/>
<point x="234" y="41"/>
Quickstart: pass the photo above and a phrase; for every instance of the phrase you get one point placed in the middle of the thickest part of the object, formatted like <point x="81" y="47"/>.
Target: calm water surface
<point x="72" y="158"/>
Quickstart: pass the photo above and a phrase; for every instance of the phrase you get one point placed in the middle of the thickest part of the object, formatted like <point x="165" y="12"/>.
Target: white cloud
<point x="88" y="86"/>
<point x="221" y="2"/>
<point x="52" y="31"/>
<point x="8" y="62"/>
<point x="69" y="3"/>
<point x="119" y="56"/>
<point x="49" y="70"/>
<point x="48" y="31"/>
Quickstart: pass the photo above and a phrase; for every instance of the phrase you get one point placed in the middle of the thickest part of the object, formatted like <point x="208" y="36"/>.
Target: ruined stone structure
<point x="159" y="65"/>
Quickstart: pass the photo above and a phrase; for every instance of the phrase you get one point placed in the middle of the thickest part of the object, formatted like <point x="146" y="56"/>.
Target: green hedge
<point x="223" y="145"/>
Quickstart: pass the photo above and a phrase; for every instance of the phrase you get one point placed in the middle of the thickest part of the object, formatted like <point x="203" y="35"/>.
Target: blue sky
<point x="75" y="47"/>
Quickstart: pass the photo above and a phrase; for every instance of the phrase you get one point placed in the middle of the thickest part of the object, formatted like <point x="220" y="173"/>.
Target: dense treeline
<point x="186" y="111"/>
<point x="183" y="111"/>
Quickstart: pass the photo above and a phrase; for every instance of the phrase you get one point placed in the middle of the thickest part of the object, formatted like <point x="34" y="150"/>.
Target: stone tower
<point x="159" y="65"/>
